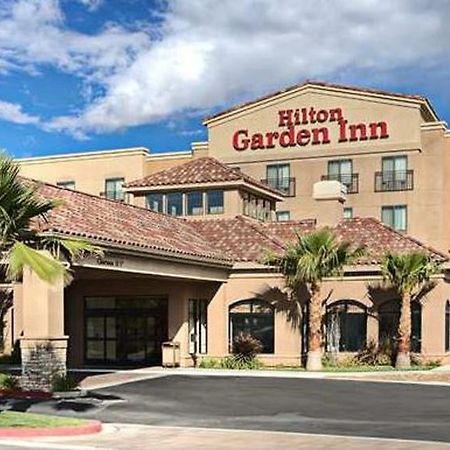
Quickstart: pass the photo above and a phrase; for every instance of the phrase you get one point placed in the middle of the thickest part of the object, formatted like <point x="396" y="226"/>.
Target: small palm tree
<point x="308" y="261"/>
<point x="20" y="244"/>
<point x="408" y="274"/>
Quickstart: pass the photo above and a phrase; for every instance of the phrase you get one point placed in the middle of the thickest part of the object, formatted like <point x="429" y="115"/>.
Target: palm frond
<point x="70" y="249"/>
<point x="44" y="265"/>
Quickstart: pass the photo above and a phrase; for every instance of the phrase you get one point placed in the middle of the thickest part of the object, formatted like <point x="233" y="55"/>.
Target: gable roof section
<point x="200" y="171"/>
<point x="425" y="104"/>
<point x="106" y="222"/>
<point x="245" y="239"/>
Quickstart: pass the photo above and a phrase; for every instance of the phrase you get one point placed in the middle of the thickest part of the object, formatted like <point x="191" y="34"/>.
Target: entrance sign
<point x="292" y="133"/>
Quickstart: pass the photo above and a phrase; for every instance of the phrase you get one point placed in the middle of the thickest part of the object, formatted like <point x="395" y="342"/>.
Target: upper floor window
<point x="214" y="202"/>
<point x="194" y="203"/>
<point x="155" y="202"/>
<point x="175" y="203"/>
<point x="348" y="213"/>
<point x="66" y="184"/>
<point x="113" y="188"/>
<point x="278" y="176"/>
<point x="395" y="216"/>
<point x="283" y="216"/>
<point x="394" y="175"/>
<point x="342" y="170"/>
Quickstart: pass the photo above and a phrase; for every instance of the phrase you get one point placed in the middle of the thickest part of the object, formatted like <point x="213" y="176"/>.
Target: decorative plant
<point x="308" y="261"/>
<point x="409" y="274"/>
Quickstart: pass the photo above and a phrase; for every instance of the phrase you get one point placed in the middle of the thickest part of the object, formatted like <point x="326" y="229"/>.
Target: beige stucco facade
<point x="384" y="125"/>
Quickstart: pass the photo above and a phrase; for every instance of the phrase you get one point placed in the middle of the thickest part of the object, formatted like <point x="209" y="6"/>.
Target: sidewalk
<point x="140" y="437"/>
<point x="431" y="377"/>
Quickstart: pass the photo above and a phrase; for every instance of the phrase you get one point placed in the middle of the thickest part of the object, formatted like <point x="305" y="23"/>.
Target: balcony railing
<point x="395" y="180"/>
<point x="285" y="185"/>
<point x="350" y="181"/>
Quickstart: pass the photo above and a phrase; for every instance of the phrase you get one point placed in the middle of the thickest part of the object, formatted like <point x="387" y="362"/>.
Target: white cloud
<point x="207" y="53"/>
<point x="92" y="5"/>
<point x="12" y="112"/>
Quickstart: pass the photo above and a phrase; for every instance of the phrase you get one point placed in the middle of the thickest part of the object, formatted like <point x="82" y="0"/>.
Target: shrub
<point x="376" y="355"/>
<point x="246" y="345"/>
<point x="10" y="382"/>
<point x="238" y="362"/>
<point x="64" y="383"/>
<point x="210" y="363"/>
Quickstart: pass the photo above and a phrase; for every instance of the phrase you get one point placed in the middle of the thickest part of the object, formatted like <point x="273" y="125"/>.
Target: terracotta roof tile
<point x="109" y="222"/>
<point x="199" y="171"/>
<point x="246" y="239"/>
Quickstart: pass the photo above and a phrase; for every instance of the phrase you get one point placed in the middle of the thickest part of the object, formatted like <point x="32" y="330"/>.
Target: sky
<point x="80" y="75"/>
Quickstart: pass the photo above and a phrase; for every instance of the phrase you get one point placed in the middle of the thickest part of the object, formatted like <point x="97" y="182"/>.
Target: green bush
<point x="64" y="383"/>
<point x="10" y="382"/>
<point x="210" y="363"/>
<point x="240" y="362"/>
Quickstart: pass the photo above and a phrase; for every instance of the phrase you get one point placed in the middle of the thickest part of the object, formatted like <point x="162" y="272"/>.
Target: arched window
<point x="255" y="317"/>
<point x="346" y="324"/>
<point x="447" y="326"/>
<point x="389" y="315"/>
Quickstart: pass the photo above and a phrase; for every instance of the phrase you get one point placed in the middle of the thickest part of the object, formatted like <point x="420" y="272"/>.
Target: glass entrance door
<point x="125" y="331"/>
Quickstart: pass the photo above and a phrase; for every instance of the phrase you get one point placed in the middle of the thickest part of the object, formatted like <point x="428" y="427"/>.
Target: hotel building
<point x="184" y="232"/>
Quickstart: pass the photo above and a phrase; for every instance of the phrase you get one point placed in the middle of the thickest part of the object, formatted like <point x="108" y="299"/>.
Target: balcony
<point x="284" y="185"/>
<point x="395" y="180"/>
<point x="350" y="181"/>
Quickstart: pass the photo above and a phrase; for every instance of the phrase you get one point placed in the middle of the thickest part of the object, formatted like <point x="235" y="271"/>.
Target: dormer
<point x="205" y="187"/>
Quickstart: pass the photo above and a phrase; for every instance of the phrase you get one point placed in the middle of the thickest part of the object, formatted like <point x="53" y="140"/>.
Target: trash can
<point x="171" y="354"/>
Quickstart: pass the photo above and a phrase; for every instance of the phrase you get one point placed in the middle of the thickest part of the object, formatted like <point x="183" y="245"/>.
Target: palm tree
<point x="21" y="245"/>
<point x="308" y="261"/>
<point x="408" y="274"/>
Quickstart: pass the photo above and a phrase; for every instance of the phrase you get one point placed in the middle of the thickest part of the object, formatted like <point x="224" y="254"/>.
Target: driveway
<point x="351" y="408"/>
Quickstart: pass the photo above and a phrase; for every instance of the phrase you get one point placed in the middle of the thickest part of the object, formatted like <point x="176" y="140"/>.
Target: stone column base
<point x="42" y="360"/>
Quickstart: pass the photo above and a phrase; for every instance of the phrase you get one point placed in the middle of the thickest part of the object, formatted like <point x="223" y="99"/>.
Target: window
<point x="342" y="170"/>
<point x="283" y="216"/>
<point x="447" y="326"/>
<point x="198" y="326"/>
<point x="394" y="175"/>
<point x="254" y="317"/>
<point x="278" y="177"/>
<point x="155" y="202"/>
<point x="346" y="325"/>
<point x="214" y="202"/>
<point x="388" y="317"/>
<point x="113" y="189"/>
<point x="194" y="203"/>
<point x="175" y="203"/>
<point x="348" y="213"/>
<point x="66" y="184"/>
<point x="394" y="216"/>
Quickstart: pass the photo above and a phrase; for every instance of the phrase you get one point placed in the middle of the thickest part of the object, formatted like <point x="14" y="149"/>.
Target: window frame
<point x="119" y="194"/>
<point x="393" y="208"/>
<point x="155" y="194"/>
<point x="278" y="213"/>
<point x="167" y="203"/>
<point x="347" y="209"/>
<point x="207" y="201"/>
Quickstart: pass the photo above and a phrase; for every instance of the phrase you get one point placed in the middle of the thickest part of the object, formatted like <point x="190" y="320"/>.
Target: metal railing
<point x="285" y="185"/>
<point x="350" y="181"/>
<point x="394" y="180"/>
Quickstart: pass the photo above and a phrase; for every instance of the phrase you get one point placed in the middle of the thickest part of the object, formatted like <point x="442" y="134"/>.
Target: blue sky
<point x="79" y="75"/>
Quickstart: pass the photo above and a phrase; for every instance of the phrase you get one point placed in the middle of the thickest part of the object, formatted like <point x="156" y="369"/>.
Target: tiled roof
<point x="320" y="84"/>
<point x="246" y="239"/>
<point x="107" y="222"/>
<point x="221" y="241"/>
<point x="198" y="171"/>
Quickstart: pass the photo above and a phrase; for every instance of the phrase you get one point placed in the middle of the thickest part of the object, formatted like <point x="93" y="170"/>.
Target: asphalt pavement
<point x="330" y="407"/>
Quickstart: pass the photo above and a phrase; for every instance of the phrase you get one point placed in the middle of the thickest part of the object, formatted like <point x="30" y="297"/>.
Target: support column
<point x="43" y="345"/>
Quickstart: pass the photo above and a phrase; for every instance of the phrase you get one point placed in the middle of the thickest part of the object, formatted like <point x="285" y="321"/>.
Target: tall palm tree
<point x="20" y="244"/>
<point x="408" y="274"/>
<point x="308" y="261"/>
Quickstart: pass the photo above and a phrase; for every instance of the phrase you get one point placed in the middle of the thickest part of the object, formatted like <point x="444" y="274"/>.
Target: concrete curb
<point x="93" y="426"/>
